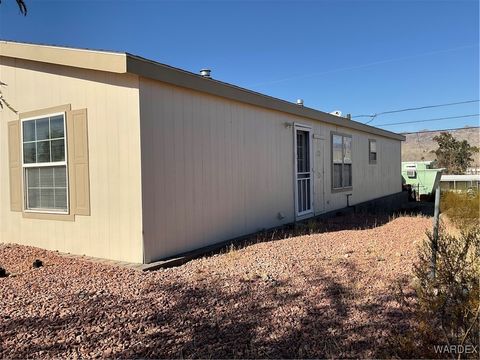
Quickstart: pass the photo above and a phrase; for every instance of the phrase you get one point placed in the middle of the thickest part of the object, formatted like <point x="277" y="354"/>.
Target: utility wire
<point x="426" y="120"/>
<point x="360" y="66"/>
<point x="440" y="130"/>
<point x="373" y="116"/>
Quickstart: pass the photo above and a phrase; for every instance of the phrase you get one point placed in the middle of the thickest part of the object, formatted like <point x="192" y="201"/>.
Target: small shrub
<point x="447" y="309"/>
<point x="462" y="208"/>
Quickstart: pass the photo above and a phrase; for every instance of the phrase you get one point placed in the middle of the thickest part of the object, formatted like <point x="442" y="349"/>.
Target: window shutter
<point x="15" y="163"/>
<point x="77" y="138"/>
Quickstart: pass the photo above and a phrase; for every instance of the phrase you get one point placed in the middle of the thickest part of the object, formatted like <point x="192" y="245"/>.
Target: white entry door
<point x="303" y="170"/>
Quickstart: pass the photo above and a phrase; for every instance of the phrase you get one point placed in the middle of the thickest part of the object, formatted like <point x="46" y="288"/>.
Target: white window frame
<point x="370" y="161"/>
<point x="332" y="164"/>
<point x="49" y="164"/>
<point x="308" y="129"/>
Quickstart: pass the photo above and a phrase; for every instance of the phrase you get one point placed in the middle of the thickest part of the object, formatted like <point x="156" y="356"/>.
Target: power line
<point x="416" y="108"/>
<point x="373" y="116"/>
<point x="360" y="66"/>
<point x="451" y="129"/>
<point x="427" y="120"/>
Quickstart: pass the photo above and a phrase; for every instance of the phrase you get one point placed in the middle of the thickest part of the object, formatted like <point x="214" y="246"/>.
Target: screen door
<point x="303" y="171"/>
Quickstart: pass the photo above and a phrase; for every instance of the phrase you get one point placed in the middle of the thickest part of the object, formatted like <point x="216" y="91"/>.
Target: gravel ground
<point x="321" y="295"/>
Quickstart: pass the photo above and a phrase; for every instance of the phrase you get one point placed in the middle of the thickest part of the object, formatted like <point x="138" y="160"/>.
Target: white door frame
<point x="319" y="173"/>
<point x="308" y="129"/>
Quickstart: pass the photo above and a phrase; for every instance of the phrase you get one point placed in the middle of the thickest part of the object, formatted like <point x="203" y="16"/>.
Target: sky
<point x="359" y="57"/>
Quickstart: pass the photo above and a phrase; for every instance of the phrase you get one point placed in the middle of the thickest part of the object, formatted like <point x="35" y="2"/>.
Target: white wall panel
<point x="214" y="169"/>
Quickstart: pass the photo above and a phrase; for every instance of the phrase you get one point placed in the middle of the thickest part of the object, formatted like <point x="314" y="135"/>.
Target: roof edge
<point x="171" y="75"/>
<point x="81" y="58"/>
<point x="120" y="62"/>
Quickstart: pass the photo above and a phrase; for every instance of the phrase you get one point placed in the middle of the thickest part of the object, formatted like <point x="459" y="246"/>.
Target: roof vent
<point x="205" y="73"/>
<point x="300" y="102"/>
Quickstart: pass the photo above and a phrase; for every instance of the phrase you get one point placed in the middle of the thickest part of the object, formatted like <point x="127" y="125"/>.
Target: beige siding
<point x="113" y="230"/>
<point x="209" y="169"/>
<point x="214" y="169"/>
<point x="370" y="181"/>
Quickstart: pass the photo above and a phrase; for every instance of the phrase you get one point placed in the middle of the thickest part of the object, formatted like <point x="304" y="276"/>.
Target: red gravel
<point x="321" y="295"/>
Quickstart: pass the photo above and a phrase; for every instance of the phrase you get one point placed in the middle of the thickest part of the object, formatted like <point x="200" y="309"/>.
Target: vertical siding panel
<point x="177" y="167"/>
<point x="224" y="183"/>
<point x="215" y="169"/>
<point x="237" y="191"/>
<point x="248" y="140"/>
<point x="149" y="149"/>
<point x="207" y="169"/>
<point x="264" y="166"/>
<point x="269" y="205"/>
<point x="276" y="178"/>
<point x="218" y="170"/>
<point x="197" y="154"/>
<point x="157" y="168"/>
<point x="169" y="169"/>
<point x="189" y="166"/>
<point x="115" y="154"/>
<point x="229" y="190"/>
<point x="244" y="155"/>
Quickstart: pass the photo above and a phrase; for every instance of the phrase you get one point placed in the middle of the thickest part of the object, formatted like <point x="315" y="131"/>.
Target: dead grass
<point x="463" y="209"/>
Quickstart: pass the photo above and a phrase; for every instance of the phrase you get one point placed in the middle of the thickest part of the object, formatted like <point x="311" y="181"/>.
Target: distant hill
<point x="418" y="145"/>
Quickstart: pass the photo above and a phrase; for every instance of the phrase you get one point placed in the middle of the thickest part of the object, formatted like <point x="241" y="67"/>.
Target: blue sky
<point x="360" y="57"/>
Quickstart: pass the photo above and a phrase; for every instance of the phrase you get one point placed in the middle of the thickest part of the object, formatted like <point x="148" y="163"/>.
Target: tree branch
<point x="21" y="6"/>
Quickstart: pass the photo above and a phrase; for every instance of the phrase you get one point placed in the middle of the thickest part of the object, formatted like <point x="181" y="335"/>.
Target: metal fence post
<point x="436" y="221"/>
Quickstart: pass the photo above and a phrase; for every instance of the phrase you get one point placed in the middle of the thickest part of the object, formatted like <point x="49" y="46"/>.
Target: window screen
<point x="303" y="152"/>
<point x="44" y="163"/>
<point x="372" y="151"/>
<point x="341" y="161"/>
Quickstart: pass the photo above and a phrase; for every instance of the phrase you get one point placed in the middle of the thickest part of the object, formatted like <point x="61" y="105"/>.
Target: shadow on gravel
<point x="208" y="318"/>
<point x="212" y="317"/>
<point x="266" y="319"/>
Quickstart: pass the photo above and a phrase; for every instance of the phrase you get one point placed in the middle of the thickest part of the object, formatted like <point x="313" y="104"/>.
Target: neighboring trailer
<point x="460" y="182"/>
<point x="119" y="157"/>
<point x="421" y="176"/>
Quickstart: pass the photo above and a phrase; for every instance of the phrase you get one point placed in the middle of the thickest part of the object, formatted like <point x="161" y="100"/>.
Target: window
<point x="303" y="151"/>
<point x="411" y="171"/>
<point x="372" y="151"/>
<point x="45" y="175"/>
<point x="342" y="161"/>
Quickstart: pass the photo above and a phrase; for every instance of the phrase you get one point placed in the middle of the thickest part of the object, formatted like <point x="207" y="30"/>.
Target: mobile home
<point x="422" y="176"/>
<point x="115" y="156"/>
<point x="460" y="183"/>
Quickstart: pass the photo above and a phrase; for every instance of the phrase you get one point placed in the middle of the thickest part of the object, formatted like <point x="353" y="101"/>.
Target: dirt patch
<point x="319" y="295"/>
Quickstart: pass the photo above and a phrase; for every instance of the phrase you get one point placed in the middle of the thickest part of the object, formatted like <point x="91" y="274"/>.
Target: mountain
<point x="418" y="145"/>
